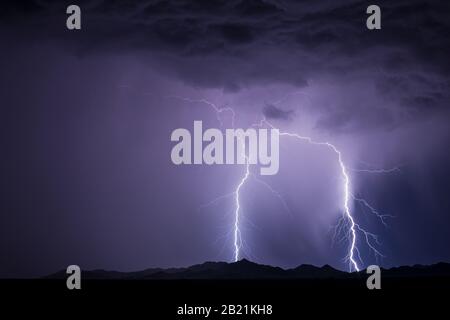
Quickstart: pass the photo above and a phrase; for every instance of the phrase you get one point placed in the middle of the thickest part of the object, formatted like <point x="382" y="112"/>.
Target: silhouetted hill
<point x="245" y="269"/>
<point x="440" y="269"/>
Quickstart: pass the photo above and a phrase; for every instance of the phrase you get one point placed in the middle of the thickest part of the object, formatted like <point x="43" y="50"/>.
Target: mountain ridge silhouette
<point x="245" y="269"/>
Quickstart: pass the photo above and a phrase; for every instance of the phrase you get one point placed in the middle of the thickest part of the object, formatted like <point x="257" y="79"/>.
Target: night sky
<point x="86" y="118"/>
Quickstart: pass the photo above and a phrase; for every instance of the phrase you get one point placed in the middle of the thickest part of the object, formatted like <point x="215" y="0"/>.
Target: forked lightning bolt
<point x="345" y="176"/>
<point x="237" y="230"/>
<point x="353" y="255"/>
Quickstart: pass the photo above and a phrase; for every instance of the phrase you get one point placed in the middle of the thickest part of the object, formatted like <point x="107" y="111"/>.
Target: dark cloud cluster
<point x="237" y="44"/>
<point x="271" y="111"/>
<point x="86" y="150"/>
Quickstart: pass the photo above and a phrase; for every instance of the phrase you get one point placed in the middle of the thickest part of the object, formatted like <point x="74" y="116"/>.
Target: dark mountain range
<point x="245" y="269"/>
<point x="318" y="290"/>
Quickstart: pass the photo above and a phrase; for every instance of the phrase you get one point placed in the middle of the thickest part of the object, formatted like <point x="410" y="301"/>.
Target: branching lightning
<point x="347" y="221"/>
<point x="391" y="170"/>
<point x="381" y="217"/>
<point x="351" y="254"/>
<point x="237" y="231"/>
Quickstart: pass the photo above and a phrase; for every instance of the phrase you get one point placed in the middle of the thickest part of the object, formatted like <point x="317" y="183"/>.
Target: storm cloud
<point x="232" y="45"/>
<point x="271" y="111"/>
<point x="86" y="118"/>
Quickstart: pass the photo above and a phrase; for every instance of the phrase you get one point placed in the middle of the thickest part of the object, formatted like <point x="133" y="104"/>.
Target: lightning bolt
<point x="351" y="254"/>
<point x="353" y="228"/>
<point x="391" y="170"/>
<point x="237" y="231"/>
<point x="237" y="211"/>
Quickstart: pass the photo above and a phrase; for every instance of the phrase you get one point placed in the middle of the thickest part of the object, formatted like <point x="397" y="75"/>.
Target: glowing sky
<point x="86" y="119"/>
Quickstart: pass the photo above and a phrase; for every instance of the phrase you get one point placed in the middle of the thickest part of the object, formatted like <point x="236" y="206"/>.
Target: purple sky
<point x="86" y="118"/>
